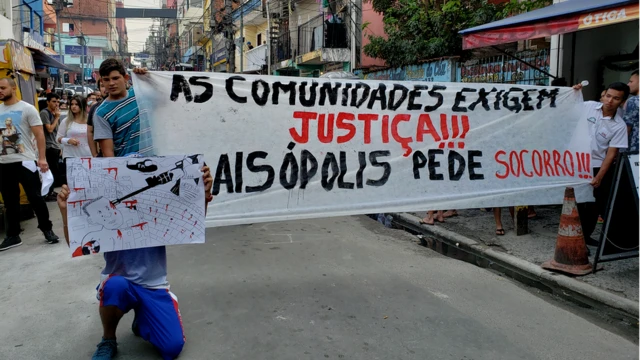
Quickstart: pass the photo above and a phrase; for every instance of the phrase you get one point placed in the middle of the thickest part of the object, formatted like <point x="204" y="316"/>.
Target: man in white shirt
<point x="23" y="142"/>
<point x="608" y="133"/>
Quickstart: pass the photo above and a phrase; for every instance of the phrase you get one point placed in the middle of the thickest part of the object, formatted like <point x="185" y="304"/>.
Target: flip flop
<point x="426" y="223"/>
<point x="452" y="213"/>
<point x="500" y="232"/>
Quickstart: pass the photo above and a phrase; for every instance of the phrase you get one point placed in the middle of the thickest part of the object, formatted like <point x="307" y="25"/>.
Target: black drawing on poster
<point x="619" y="238"/>
<point x="114" y="206"/>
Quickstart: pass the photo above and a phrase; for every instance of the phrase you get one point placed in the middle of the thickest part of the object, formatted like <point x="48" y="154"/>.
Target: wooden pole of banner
<point x="521" y="220"/>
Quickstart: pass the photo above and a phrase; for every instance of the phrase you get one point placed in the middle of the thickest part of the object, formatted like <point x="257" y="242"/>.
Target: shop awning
<point x="40" y="58"/>
<point x="560" y="18"/>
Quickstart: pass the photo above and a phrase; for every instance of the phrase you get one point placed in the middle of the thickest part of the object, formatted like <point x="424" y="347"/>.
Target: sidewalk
<point x="618" y="278"/>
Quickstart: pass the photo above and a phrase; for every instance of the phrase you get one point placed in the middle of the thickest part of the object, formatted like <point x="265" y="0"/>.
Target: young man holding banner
<point x="133" y="279"/>
<point x="116" y="121"/>
<point x="608" y="134"/>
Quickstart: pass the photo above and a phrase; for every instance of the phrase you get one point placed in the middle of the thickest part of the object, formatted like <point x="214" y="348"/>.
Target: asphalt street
<point x="337" y="288"/>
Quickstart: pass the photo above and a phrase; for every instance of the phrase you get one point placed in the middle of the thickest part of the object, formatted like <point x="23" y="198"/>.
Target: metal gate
<point x="503" y="69"/>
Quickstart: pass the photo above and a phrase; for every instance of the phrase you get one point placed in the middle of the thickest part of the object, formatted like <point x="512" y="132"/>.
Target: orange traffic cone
<point x="571" y="251"/>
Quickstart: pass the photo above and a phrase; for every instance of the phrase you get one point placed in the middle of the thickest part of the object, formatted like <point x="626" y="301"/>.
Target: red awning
<point x="548" y="27"/>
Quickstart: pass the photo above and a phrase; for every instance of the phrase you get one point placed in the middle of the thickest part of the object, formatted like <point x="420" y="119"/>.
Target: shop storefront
<point x="593" y="40"/>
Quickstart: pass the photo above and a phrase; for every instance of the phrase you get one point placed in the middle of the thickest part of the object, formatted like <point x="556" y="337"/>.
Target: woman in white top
<point x="72" y="133"/>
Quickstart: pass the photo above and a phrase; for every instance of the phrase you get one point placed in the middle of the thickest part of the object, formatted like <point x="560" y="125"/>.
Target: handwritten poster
<point x="283" y="148"/>
<point x="128" y="203"/>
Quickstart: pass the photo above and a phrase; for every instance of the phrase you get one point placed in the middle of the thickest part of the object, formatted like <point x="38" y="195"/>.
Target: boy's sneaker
<point x="51" y="237"/>
<point x="10" y="242"/>
<point x="107" y="349"/>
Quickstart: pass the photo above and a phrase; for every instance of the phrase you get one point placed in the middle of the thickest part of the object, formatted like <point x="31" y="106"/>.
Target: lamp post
<point x="59" y="5"/>
<point x="82" y="41"/>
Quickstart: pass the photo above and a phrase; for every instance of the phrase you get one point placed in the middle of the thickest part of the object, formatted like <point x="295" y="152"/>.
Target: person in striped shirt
<point x="116" y="122"/>
<point x="134" y="279"/>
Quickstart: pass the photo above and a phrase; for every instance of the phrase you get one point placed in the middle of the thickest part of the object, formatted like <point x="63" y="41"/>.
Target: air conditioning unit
<point x="65" y="3"/>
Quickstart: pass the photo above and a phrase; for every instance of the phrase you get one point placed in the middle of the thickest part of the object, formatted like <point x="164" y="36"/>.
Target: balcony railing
<point x="281" y="49"/>
<point x="318" y="33"/>
<point x="246" y="8"/>
<point x="256" y="58"/>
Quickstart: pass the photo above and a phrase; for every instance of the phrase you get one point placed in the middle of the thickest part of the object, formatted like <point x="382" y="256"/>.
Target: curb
<point x="561" y="284"/>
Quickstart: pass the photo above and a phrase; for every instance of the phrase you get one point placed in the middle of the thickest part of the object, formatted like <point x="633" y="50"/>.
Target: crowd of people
<point x="105" y="124"/>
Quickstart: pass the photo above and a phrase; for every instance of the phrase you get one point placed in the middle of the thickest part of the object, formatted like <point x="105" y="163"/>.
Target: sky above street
<point x="138" y="29"/>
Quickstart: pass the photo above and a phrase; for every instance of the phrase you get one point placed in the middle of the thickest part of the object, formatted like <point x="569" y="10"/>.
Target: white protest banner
<point x="284" y="148"/>
<point x="128" y="203"/>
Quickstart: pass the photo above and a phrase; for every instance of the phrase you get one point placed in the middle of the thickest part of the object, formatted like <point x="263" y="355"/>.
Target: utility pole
<point x="179" y="43"/>
<point x="268" y="40"/>
<point x="212" y="31"/>
<point x="353" y="16"/>
<point x="241" y="38"/>
<point x="59" y="5"/>
<point x="82" y="41"/>
<point x="231" y="53"/>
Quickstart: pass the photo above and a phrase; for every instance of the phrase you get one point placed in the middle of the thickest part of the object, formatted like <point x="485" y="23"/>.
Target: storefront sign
<point x="551" y="27"/>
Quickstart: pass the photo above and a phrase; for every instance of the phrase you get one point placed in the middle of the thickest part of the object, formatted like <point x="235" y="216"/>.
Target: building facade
<point x="28" y="22"/>
<point x="6" y="19"/>
<point x="95" y="21"/>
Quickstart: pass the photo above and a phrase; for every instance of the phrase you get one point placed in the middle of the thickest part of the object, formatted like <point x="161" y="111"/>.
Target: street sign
<point x="619" y="235"/>
<point x="74" y="50"/>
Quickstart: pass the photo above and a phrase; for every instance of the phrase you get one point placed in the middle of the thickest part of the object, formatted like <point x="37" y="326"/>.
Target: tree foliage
<point x="424" y="29"/>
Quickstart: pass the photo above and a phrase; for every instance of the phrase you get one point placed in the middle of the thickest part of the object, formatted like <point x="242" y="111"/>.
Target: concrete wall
<point x="6" y="15"/>
<point x="374" y="27"/>
<point x="436" y="71"/>
<point x="591" y="46"/>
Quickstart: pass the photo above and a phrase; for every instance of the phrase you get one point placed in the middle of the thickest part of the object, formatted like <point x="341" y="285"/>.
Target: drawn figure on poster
<point x="126" y="203"/>
<point x="11" y="137"/>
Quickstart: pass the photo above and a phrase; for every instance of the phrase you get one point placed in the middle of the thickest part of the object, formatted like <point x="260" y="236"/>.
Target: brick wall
<point x="91" y="17"/>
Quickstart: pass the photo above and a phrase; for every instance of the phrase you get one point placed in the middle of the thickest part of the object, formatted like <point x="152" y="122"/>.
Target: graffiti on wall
<point x="433" y="71"/>
<point x="502" y="69"/>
